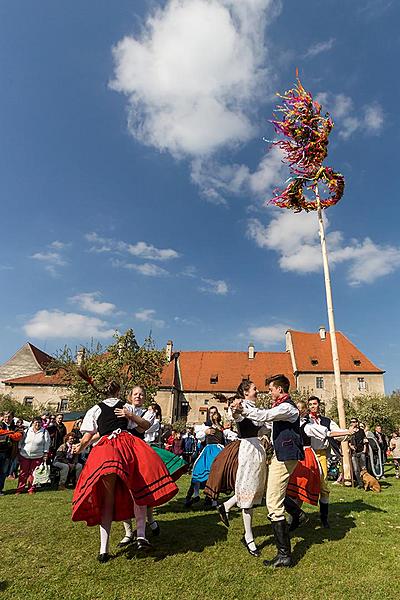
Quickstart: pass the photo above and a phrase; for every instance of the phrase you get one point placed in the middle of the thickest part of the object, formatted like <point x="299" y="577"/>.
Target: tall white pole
<point x="332" y="331"/>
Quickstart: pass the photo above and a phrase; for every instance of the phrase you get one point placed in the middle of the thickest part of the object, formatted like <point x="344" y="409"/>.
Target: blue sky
<point x="133" y="173"/>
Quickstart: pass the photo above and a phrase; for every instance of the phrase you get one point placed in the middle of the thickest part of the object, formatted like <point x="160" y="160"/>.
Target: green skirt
<point x="176" y="466"/>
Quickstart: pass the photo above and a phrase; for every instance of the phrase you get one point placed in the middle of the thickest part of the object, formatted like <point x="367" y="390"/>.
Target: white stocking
<point x="140" y="516"/>
<point x="247" y="514"/>
<point x="230" y="503"/>
<point x="107" y="512"/>
<point x="128" y="528"/>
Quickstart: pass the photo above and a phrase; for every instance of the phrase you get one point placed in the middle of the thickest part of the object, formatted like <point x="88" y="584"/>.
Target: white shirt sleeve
<point x="316" y="431"/>
<point x="89" y="423"/>
<point x="335" y="427"/>
<point x="149" y="416"/>
<point x="282" y="412"/>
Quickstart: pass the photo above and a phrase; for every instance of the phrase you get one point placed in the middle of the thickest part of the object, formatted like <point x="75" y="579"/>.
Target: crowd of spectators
<point x="25" y="446"/>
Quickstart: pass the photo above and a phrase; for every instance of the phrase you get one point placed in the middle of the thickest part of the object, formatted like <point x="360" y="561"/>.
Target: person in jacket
<point x="33" y="450"/>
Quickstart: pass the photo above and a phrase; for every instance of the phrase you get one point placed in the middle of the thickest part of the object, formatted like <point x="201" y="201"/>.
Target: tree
<point x="373" y="409"/>
<point x="21" y="411"/>
<point x="124" y="361"/>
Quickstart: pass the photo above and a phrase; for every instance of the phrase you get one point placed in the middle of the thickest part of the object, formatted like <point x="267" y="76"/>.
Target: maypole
<point x="305" y="140"/>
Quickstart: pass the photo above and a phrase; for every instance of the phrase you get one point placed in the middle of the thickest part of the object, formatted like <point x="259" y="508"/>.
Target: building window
<point x="357" y="362"/>
<point x="314" y="362"/>
<point x="28" y="400"/>
<point x="214" y="378"/>
<point x="362" y="384"/>
<point x="319" y="383"/>
<point x="63" y="406"/>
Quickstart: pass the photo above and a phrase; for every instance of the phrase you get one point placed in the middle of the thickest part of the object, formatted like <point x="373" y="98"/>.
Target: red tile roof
<point x="37" y="379"/>
<point x="168" y="375"/>
<point x="230" y="368"/>
<point x="309" y="347"/>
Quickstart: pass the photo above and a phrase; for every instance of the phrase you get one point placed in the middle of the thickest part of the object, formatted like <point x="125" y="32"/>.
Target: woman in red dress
<point x="122" y="475"/>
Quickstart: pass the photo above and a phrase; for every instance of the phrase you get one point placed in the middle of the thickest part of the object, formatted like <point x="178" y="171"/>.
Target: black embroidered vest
<point x="287" y="439"/>
<point x="107" y="421"/>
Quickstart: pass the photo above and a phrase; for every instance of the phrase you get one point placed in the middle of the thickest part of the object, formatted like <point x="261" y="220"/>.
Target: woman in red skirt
<point x="122" y="475"/>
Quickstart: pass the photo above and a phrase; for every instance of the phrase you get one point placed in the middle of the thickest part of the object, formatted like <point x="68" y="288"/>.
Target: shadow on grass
<point x="3" y="585"/>
<point x="191" y="533"/>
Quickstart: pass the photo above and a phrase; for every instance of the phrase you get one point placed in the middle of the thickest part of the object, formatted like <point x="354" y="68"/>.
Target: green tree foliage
<point x="21" y="411"/>
<point x="124" y="361"/>
<point x="373" y="410"/>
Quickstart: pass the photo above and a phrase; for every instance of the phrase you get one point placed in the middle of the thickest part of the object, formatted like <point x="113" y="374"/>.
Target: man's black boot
<point x="323" y="512"/>
<point x="298" y="515"/>
<point x="282" y="542"/>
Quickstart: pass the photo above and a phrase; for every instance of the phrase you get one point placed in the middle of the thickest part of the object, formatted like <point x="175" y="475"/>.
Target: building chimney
<point x="251" y="352"/>
<point x="168" y="350"/>
<point x="80" y="356"/>
<point x="322" y="332"/>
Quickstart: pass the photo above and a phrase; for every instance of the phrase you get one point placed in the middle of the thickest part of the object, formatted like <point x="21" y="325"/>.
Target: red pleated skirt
<point x="305" y="481"/>
<point x="142" y="477"/>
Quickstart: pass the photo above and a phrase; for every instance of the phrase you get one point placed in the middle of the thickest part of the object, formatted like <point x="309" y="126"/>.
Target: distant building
<point x="190" y="379"/>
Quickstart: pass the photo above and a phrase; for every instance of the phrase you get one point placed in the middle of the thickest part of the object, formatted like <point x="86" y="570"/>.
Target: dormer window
<point x="214" y="378"/>
<point x="357" y="362"/>
<point x="314" y="362"/>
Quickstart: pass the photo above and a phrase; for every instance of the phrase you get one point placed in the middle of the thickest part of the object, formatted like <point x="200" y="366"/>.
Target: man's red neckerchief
<point x="280" y="400"/>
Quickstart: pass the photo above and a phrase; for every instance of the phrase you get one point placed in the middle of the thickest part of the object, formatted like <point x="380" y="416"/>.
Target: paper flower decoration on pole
<point x="305" y="134"/>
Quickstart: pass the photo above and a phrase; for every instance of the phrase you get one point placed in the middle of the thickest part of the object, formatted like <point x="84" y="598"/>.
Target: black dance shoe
<point x="103" y="558"/>
<point x="255" y="552"/>
<point x="223" y="515"/>
<point x="142" y="544"/>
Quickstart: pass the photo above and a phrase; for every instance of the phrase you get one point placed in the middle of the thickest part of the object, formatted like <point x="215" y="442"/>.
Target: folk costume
<point x="319" y="434"/>
<point x="175" y="466"/>
<point x="214" y="444"/>
<point x="288" y="450"/>
<point x="244" y="468"/>
<point x="121" y="476"/>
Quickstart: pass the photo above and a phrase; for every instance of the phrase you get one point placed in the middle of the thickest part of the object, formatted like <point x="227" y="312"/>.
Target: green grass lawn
<point x="44" y="555"/>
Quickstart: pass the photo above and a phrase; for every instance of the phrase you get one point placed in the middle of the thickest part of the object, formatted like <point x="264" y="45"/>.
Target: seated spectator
<point x="33" y="450"/>
<point x="67" y="461"/>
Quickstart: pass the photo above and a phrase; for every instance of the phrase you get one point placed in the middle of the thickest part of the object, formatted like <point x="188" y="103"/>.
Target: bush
<point x="20" y="411"/>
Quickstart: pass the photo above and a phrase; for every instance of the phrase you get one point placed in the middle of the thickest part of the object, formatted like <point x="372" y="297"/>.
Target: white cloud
<point x="148" y="251"/>
<point x="56" y="324"/>
<point x="368" y="119"/>
<point x="52" y="259"/>
<point x="214" y="286"/>
<point x="90" y="301"/>
<point x="217" y="181"/>
<point x="319" y="47"/>
<point x="147" y="269"/>
<point x="295" y="238"/>
<point x="147" y="315"/>
<point x="268" y="335"/>
<point x="140" y="249"/>
<point x="194" y="75"/>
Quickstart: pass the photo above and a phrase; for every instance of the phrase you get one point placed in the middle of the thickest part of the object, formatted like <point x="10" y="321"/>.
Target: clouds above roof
<point x="295" y="238"/>
<point x="191" y="78"/>
<point x="47" y="324"/>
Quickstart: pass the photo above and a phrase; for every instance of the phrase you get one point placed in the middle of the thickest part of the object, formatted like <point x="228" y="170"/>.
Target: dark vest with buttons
<point x="247" y="429"/>
<point x="286" y="438"/>
<point x="334" y="444"/>
<point x="107" y="421"/>
<point x="305" y="439"/>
